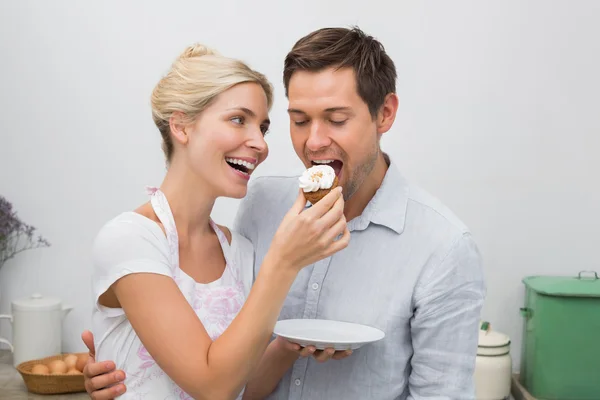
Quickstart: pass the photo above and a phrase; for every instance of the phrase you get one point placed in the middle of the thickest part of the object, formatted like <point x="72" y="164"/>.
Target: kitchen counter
<point x="12" y="386"/>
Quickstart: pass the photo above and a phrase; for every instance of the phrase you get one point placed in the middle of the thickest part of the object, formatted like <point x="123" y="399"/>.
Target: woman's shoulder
<point x="129" y="239"/>
<point x="128" y="227"/>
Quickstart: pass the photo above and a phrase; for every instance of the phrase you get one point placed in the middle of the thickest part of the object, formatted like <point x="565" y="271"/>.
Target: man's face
<point x="330" y="123"/>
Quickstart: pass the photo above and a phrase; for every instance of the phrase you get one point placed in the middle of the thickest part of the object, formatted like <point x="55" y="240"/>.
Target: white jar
<point x="493" y="367"/>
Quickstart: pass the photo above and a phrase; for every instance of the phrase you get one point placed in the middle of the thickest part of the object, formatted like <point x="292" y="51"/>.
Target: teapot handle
<point x="2" y="340"/>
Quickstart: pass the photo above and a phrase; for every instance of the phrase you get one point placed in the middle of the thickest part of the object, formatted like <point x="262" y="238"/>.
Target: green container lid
<point x="585" y="284"/>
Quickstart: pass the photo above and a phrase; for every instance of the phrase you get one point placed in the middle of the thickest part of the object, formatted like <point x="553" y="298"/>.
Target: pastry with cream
<point x="317" y="181"/>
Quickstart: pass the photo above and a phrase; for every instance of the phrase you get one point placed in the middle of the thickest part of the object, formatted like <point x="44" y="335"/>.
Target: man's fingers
<point x="307" y="351"/>
<point x="340" y="355"/>
<point x="94" y="369"/>
<point x="101" y="382"/>
<point x="324" y="355"/>
<point x="88" y="339"/>
<point x="295" y="347"/>
<point x="318" y="355"/>
<point x="109" y="393"/>
<point x="289" y="346"/>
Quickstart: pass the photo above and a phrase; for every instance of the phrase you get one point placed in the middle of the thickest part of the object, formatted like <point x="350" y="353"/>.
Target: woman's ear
<point x="177" y="125"/>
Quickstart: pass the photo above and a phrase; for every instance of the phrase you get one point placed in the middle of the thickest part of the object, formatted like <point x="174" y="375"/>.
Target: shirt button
<point x="297" y="382"/>
<point x="315" y="286"/>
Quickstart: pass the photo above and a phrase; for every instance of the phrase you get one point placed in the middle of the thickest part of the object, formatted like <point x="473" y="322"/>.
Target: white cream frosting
<point x="317" y="177"/>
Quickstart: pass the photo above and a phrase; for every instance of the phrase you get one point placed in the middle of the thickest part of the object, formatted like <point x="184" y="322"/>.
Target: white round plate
<point x="327" y="334"/>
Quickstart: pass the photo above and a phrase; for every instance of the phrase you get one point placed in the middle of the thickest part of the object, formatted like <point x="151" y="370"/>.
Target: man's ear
<point x="177" y="125"/>
<point x="387" y="113"/>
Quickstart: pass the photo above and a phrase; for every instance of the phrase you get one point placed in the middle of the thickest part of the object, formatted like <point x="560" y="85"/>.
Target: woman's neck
<point x="189" y="200"/>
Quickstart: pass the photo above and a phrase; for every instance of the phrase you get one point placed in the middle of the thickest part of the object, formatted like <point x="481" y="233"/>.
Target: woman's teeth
<point x="243" y="163"/>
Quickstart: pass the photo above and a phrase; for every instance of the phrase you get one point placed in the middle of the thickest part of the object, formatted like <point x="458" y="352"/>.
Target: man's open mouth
<point x="335" y="164"/>
<point x="243" y="166"/>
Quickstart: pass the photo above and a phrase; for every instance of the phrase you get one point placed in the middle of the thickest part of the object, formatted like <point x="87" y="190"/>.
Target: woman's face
<point x="226" y="142"/>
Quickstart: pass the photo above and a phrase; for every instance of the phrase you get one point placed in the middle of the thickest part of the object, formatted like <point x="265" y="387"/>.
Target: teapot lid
<point x="37" y="302"/>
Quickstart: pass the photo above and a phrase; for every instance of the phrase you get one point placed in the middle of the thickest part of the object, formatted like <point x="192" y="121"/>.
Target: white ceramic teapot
<point x="37" y="328"/>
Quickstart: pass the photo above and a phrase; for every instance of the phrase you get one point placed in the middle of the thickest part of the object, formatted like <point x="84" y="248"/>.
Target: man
<point x="411" y="269"/>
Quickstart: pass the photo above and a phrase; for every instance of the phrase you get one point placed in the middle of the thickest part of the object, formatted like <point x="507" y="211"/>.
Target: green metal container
<point x="561" y="343"/>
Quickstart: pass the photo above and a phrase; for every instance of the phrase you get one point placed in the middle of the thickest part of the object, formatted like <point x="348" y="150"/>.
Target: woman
<point x="174" y="308"/>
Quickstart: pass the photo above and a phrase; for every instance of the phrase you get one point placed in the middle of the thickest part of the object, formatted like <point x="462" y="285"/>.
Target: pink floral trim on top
<point x="216" y="303"/>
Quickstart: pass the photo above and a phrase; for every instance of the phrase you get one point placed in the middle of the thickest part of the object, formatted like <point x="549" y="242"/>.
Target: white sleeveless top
<point x="132" y="243"/>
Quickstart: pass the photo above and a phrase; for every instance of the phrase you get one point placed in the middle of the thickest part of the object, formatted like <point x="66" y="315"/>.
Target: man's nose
<point x="317" y="137"/>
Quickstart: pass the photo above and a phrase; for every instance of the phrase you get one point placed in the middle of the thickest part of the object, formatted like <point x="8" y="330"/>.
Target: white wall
<point x="498" y="118"/>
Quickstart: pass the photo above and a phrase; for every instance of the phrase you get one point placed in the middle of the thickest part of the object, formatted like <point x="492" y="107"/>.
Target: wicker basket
<point x="50" y="384"/>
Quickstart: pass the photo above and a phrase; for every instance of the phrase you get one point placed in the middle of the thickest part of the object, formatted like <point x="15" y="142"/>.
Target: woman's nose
<point x="258" y="142"/>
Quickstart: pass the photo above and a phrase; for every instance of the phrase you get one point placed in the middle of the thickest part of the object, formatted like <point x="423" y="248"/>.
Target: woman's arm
<point x="273" y="365"/>
<point x="176" y="338"/>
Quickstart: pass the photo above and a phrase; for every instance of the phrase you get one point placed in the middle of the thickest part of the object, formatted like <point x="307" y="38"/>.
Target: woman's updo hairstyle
<point x="195" y="79"/>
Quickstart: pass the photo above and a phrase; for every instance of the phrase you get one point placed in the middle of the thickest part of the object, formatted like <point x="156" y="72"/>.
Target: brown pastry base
<point x="314" y="197"/>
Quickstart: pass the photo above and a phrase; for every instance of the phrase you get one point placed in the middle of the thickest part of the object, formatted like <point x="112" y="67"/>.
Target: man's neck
<point x="358" y="202"/>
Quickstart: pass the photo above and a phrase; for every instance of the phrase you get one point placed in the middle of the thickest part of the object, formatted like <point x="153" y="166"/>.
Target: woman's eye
<point x="264" y="130"/>
<point x="237" y="120"/>
<point x="300" y="123"/>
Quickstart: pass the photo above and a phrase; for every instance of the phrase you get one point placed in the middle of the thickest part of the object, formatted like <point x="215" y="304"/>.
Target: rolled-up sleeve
<point x="444" y="329"/>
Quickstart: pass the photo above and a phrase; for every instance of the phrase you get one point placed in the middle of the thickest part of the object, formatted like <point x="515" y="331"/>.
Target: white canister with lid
<point x="37" y="328"/>
<point x="493" y="366"/>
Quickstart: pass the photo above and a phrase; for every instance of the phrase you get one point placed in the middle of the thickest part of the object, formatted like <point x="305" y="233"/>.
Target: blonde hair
<point x="195" y="79"/>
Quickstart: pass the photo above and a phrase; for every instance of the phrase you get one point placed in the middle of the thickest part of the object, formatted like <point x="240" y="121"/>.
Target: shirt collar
<point x="388" y="206"/>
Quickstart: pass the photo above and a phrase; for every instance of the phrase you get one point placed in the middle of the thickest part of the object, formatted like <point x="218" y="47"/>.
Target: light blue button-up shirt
<point x="411" y="269"/>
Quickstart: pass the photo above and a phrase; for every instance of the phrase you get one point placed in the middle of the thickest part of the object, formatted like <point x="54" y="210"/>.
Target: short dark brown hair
<point x="342" y="47"/>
